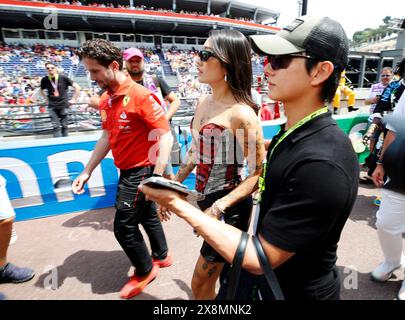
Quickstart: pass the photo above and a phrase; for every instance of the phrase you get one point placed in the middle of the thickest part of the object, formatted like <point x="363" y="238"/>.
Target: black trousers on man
<point x="59" y="119"/>
<point x="132" y="210"/>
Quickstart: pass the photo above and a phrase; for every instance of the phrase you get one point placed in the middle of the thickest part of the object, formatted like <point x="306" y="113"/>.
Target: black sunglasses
<point x="204" y="55"/>
<point x="50" y="68"/>
<point x="283" y="61"/>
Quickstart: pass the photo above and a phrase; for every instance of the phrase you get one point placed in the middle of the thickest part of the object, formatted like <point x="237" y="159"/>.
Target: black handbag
<point x="234" y="279"/>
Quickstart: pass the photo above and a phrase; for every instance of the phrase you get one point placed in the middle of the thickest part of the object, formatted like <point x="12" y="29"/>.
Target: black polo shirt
<point x="310" y="188"/>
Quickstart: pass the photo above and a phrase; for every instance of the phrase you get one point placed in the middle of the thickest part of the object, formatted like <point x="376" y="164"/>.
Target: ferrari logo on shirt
<point x="126" y="100"/>
<point x="103" y="115"/>
<point x="123" y="115"/>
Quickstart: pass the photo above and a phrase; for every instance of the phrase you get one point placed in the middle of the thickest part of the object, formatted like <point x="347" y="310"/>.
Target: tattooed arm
<point x="187" y="166"/>
<point x="191" y="159"/>
<point x="249" y="134"/>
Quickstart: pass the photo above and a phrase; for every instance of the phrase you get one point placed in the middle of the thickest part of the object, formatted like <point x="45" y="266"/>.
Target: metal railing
<point x="34" y="119"/>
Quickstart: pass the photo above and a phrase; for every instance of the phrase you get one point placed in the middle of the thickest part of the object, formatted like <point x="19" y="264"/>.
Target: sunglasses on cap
<point x="204" y="55"/>
<point x="283" y="61"/>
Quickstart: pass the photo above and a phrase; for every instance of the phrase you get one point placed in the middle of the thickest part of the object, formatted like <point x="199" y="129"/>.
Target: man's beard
<point x="104" y="85"/>
<point x="135" y="74"/>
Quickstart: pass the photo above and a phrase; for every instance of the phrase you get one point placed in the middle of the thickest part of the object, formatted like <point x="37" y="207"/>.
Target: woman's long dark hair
<point x="234" y="51"/>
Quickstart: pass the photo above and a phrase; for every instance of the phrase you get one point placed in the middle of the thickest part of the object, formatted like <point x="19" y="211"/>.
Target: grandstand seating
<point x="177" y="66"/>
<point x="32" y="67"/>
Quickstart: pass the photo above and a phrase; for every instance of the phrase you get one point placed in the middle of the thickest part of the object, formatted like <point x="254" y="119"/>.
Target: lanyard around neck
<point x="297" y="125"/>
<point x="285" y="135"/>
<point x="54" y="84"/>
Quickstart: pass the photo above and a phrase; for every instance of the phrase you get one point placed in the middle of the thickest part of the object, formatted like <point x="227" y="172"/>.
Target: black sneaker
<point x="352" y="109"/>
<point x="14" y="274"/>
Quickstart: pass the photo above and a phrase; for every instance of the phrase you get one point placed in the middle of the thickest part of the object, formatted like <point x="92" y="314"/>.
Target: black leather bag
<point x="242" y="285"/>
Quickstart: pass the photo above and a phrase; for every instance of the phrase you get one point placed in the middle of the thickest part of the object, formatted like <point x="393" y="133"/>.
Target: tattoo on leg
<point x="212" y="271"/>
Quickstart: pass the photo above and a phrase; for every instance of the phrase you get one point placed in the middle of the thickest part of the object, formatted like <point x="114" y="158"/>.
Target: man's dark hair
<point x="331" y="84"/>
<point x="101" y="50"/>
<point x="400" y="69"/>
<point x="49" y="63"/>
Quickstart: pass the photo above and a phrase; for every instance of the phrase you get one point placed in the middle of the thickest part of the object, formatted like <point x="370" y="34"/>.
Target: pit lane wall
<point x="39" y="172"/>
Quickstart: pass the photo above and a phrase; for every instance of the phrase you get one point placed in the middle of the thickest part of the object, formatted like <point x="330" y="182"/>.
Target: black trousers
<point x="59" y="119"/>
<point x="132" y="210"/>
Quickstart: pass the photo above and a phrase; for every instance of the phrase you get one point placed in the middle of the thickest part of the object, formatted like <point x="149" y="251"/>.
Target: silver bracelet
<point x="216" y="210"/>
<point x="220" y="207"/>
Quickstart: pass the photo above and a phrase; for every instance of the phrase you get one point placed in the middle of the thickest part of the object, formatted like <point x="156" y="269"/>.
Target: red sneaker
<point x="136" y="284"/>
<point x="166" y="262"/>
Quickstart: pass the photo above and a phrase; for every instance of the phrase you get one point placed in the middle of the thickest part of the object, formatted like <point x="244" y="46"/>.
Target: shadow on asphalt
<point x="103" y="220"/>
<point x="360" y="286"/>
<point x="105" y="271"/>
<point x="185" y="287"/>
<point x="364" y="210"/>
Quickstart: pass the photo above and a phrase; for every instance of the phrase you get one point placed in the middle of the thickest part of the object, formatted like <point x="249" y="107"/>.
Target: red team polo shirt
<point x="129" y="115"/>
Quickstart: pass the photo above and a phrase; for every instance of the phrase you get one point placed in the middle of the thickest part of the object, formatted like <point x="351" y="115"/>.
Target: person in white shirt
<point x="376" y="89"/>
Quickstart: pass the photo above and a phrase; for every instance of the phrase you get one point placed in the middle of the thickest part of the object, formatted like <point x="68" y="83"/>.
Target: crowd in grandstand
<point x="138" y="7"/>
<point x="22" y="66"/>
<point x="19" y="81"/>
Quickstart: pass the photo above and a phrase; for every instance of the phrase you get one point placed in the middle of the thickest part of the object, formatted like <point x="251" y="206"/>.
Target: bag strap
<point x="236" y="266"/>
<point x="268" y="270"/>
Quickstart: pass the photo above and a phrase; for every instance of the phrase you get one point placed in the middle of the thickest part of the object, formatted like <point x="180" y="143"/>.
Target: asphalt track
<point x="76" y="257"/>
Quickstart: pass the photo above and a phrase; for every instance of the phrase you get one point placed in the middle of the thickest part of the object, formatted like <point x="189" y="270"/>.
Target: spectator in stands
<point x="57" y="95"/>
<point x="222" y="127"/>
<point x="8" y="271"/>
<point x="134" y="61"/>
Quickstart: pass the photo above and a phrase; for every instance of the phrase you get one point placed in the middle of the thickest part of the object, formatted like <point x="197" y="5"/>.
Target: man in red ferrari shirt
<point x="131" y="120"/>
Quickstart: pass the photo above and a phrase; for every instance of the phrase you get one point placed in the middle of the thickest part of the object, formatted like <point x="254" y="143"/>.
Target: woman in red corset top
<point x="226" y="131"/>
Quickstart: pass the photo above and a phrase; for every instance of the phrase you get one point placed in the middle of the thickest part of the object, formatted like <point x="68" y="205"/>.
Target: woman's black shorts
<point x="237" y="216"/>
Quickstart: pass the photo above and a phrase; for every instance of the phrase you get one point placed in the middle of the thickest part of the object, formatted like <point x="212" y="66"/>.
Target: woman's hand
<point x="163" y="213"/>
